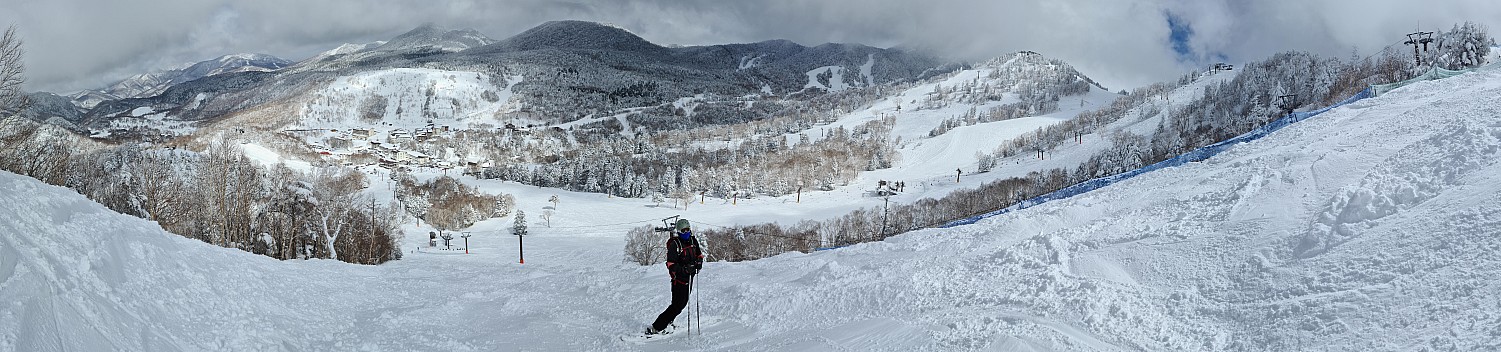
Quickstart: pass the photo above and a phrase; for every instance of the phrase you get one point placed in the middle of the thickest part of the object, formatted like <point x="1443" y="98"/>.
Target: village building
<point x="361" y="133"/>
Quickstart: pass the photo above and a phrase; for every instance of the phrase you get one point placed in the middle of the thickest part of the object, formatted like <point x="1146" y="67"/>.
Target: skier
<point x="684" y="259"/>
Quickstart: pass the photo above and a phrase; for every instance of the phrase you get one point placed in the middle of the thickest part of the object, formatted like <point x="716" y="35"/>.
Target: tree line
<point x="216" y="195"/>
<point x="735" y="165"/>
<point x="448" y="204"/>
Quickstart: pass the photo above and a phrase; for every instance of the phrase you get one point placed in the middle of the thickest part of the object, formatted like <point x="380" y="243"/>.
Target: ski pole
<point x="697" y="312"/>
<point x="692" y="282"/>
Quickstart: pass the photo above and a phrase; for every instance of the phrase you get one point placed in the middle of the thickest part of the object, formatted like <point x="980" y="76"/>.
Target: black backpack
<point x="690" y="256"/>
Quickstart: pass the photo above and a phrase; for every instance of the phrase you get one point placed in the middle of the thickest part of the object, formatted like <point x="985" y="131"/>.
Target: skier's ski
<point x="642" y="338"/>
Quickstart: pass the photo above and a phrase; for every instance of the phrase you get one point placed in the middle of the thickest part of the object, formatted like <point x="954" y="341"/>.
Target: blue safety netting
<point x="1433" y="74"/>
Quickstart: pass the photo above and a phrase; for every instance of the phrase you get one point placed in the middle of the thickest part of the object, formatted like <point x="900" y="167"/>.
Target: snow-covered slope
<point x="1370" y="227"/>
<point x="346" y="49"/>
<point x="918" y="110"/>
<point x="408" y="98"/>
<point x="832" y="78"/>
<point x="1361" y="229"/>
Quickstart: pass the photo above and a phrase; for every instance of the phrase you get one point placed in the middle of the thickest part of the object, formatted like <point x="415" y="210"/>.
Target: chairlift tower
<point x="1416" y="39"/>
<point x="1220" y="67"/>
<point x="466" y="242"/>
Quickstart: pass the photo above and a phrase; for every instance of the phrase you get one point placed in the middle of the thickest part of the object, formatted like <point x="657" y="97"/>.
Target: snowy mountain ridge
<point x="432" y="36"/>
<point x="589" y="69"/>
<point x="345" y="49"/>
<point x="150" y="84"/>
<point x="1018" y="77"/>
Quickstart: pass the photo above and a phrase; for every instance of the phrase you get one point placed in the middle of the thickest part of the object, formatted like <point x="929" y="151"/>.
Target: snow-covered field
<point x="407" y="98"/>
<point x="929" y="162"/>
<point x="269" y="158"/>
<point x="1371" y="227"/>
<point x="148" y="118"/>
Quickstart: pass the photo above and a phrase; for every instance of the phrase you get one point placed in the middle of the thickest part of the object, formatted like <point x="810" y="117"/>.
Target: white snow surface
<point x="749" y="62"/>
<point x="408" y="98"/>
<point x="865" y="70"/>
<point x="141" y="111"/>
<point x="927" y="164"/>
<point x="345" y="49"/>
<point x="148" y="118"/>
<point x="270" y="158"/>
<point x="834" y="83"/>
<point x="1370" y="227"/>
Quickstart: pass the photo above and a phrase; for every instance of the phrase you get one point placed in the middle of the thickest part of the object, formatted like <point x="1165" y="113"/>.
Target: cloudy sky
<point x="80" y="44"/>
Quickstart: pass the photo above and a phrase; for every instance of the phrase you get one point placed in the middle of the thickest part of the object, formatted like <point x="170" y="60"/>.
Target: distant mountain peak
<point x="1041" y="65"/>
<point x="246" y="57"/>
<point x="573" y="34"/>
<point x="1026" y="59"/>
<point x="424" y="31"/>
<point x="153" y="83"/>
<point x="579" y="25"/>
<point x="431" y="35"/>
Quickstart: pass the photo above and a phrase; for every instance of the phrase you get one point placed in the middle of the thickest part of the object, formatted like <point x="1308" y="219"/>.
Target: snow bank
<point x="1414" y="174"/>
<point x="76" y="277"/>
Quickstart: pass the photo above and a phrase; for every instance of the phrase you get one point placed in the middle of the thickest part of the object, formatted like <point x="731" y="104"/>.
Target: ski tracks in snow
<point x="1413" y="175"/>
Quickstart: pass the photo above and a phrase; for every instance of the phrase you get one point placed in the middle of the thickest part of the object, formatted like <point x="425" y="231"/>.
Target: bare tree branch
<point x="12" y="100"/>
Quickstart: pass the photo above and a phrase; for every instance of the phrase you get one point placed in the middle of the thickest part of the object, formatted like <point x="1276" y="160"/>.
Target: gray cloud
<point x="78" y="44"/>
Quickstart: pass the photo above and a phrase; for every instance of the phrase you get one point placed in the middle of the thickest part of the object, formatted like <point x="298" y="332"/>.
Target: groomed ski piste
<point x="1373" y="226"/>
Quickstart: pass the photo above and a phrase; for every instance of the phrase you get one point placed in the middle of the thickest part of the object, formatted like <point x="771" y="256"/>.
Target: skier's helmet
<point x="682" y="225"/>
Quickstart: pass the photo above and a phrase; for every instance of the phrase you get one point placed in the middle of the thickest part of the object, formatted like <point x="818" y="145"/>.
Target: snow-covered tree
<point x="984" y="162"/>
<point x="1465" y="45"/>
<point x="503" y="206"/>
<point x="643" y="247"/>
<point x="519" y="226"/>
<point x="683" y="196"/>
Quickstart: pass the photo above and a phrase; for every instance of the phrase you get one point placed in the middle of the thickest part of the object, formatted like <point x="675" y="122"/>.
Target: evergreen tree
<point x="520" y="227"/>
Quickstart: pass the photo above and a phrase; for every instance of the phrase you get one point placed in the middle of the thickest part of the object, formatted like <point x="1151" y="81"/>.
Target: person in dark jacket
<point x="684" y="259"/>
